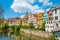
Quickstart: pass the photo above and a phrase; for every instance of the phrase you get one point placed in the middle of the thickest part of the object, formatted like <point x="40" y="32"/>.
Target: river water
<point x="5" y="38"/>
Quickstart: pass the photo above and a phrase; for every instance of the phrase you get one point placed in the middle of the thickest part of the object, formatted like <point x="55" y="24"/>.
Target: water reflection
<point x="5" y="38"/>
<point x="57" y="34"/>
<point x="22" y="36"/>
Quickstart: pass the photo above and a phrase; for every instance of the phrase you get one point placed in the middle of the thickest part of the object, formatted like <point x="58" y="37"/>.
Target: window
<point x="55" y="11"/>
<point x="51" y="21"/>
<point x="56" y="17"/>
<point x="56" y="24"/>
<point x="50" y="18"/>
<point x="48" y="26"/>
<point x="53" y="26"/>
<point x="47" y="22"/>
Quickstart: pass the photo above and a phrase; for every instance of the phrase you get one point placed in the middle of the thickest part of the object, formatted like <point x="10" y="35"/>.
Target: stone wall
<point x="37" y="33"/>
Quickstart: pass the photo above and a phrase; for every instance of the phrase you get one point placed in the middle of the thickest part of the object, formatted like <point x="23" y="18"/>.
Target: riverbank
<point x="37" y="33"/>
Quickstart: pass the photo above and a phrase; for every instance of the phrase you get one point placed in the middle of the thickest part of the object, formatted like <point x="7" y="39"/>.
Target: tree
<point x="43" y="25"/>
<point x="13" y="27"/>
<point x="5" y="26"/>
<point x="1" y="16"/>
<point x="31" y="25"/>
<point x="52" y="38"/>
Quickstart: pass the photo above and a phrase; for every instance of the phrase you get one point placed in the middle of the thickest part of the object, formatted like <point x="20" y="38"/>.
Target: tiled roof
<point x="53" y="8"/>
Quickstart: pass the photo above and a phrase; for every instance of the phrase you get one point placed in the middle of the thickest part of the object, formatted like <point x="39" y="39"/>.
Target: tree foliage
<point x="52" y="38"/>
<point x="31" y="25"/>
<point x="6" y="26"/>
<point x="44" y="24"/>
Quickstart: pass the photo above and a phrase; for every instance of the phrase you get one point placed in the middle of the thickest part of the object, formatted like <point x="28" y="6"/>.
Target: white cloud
<point x="24" y="5"/>
<point x="41" y="10"/>
<point x="41" y="0"/>
<point x="46" y="2"/>
<point x="22" y="16"/>
<point x="31" y="1"/>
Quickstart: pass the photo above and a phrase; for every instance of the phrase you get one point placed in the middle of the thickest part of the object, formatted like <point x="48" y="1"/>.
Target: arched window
<point x="53" y="26"/>
<point x="48" y="26"/>
<point x="51" y="21"/>
<point x="56" y="24"/>
<point x="47" y="22"/>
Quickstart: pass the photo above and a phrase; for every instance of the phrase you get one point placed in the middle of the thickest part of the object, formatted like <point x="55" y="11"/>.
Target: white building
<point x="49" y="26"/>
<point x="53" y="19"/>
<point x="28" y="19"/>
<point x="56" y="16"/>
<point x="32" y="18"/>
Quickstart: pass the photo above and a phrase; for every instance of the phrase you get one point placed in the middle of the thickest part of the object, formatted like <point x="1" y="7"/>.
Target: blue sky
<point x="18" y="8"/>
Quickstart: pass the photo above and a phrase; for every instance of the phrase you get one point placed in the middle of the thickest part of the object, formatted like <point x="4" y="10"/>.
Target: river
<point x="57" y="35"/>
<point x="5" y="38"/>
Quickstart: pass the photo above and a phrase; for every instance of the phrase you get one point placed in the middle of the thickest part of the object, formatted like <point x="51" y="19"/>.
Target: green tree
<point x="17" y="30"/>
<point x="52" y="38"/>
<point x="31" y="25"/>
<point x="43" y="25"/>
<point x="5" y="26"/>
<point x="13" y="27"/>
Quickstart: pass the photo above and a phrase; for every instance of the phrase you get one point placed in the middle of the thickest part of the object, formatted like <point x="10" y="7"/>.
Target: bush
<point x="39" y="29"/>
<point x="5" y="26"/>
<point x="25" y="26"/>
<point x="12" y="27"/>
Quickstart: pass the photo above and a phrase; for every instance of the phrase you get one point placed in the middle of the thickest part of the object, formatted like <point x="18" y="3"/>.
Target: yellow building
<point x="40" y="20"/>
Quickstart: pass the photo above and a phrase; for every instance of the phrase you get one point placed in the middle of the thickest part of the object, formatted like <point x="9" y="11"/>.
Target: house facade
<point x="13" y="21"/>
<point x="36" y="19"/>
<point x="32" y="18"/>
<point x="28" y="19"/>
<point x="53" y="19"/>
<point x="40" y="20"/>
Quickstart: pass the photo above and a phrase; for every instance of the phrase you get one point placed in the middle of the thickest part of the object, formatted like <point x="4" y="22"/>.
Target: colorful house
<point x="28" y="19"/>
<point x="13" y="21"/>
<point x="40" y="20"/>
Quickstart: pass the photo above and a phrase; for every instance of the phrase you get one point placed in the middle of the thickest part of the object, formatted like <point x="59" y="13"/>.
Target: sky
<point x="18" y="8"/>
